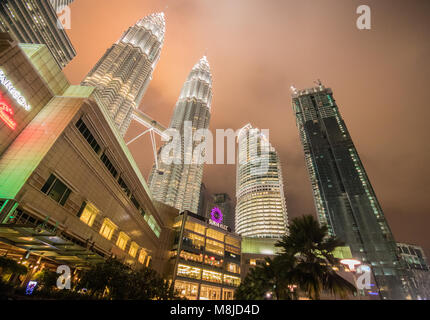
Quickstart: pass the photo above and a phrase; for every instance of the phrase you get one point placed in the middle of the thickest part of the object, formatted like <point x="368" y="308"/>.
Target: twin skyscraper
<point x="344" y="198"/>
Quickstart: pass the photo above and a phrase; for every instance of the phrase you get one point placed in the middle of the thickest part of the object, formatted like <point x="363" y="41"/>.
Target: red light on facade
<point x="212" y="258"/>
<point x="6" y="115"/>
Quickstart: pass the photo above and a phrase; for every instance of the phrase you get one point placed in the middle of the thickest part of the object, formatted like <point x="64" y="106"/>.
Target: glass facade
<point x="204" y="264"/>
<point x="344" y="198"/>
<point x="178" y="184"/>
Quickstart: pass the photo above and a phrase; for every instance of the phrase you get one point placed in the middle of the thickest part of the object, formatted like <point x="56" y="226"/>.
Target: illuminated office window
<point x="133" y="249"/>
<point x="142" y="256"/>
<point x="108" y="228"/>
<point x="88" y="214"/>
<point x="123" y="238"/>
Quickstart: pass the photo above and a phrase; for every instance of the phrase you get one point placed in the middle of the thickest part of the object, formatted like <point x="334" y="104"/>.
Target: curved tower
<point x="178" y="185"/>
<point x="122" y="75"/>
<point x="260" y="209"/>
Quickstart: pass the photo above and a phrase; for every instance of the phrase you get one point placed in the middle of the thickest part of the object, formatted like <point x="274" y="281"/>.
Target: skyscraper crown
<point x="154" y="22"/>
<point x="203" y="64"/>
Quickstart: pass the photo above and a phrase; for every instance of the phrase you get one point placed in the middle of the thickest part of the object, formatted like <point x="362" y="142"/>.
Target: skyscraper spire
<point x="122" y="75"/>
<point x="178" y="185"/>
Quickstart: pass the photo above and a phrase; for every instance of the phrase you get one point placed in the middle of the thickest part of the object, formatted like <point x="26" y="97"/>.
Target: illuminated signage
<point x="6" y="115"/>
<point x="216" y="219"/>
<point x="30" y="288"/>
<point x="216" y="215"/>
<point x="13" y="91"/>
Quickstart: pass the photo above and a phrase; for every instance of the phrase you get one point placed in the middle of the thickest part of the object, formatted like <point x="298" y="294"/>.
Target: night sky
<point x="257" y="49"/>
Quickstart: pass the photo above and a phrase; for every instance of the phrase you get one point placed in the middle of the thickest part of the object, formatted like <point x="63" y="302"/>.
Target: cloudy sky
<point x="257" y="49"/>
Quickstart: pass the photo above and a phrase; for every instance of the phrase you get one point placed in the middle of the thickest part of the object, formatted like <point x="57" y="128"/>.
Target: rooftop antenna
<point x="318" y="82"/>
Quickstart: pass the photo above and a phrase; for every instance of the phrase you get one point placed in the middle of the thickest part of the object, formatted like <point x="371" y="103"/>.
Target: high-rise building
<point x="178" y="184"/>
<point x="344" y="198"/>
<point x="35" y="21"/>
<point x="58" y="4"/>
<point x="122" y="75"/>
<point x="223" y="202"/>
<point x="203" y="201"/>
<point x="418" y="268"/>
<point x="260" y="209"/>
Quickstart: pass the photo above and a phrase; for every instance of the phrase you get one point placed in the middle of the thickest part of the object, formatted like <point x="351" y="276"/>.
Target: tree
<point x="312" y="248"/>
<point x="116" y="281"/>
<point x="254" y="286"/>
<point x="47" y="279"/>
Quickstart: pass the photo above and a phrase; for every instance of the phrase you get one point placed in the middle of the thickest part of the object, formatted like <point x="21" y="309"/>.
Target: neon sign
<point x="216" y="215"/>
<point x="13" y="91"/>
<point x="216" y="219"/>
<point x="6" y="115"/>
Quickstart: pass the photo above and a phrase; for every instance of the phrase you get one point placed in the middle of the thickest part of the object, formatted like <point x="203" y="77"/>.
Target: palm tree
<point x="312" y="249"/>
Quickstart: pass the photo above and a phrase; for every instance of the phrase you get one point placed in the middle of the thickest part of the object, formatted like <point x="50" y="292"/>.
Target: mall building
<point x="70" y="191"/>
<point x="208" y="264"/>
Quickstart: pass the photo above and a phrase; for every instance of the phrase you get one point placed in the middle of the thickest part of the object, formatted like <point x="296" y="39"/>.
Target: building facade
<point x="418" y="268"/>
<point x="178" y="184"/>
<point x="344" y="198"/>
<point x="70" y="191"/>
<point x="123" y="74"/>
<point x="260" y="209"/>
<point x="36" y="22"/>
<point x="208" y="264"/>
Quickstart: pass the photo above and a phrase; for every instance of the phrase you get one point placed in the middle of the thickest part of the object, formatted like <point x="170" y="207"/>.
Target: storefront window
<point x="233" y="267"/>
<point x="232" y="241"/>
<point x="232" y="249"/>
<point x="215" y="247"/>
<point x="215" y="235"/>
<point x="212" y="276"/>
<point x="187" y="289"/>
<point x="228" y="294"/>
<point x="193" y="240"/>
<point x="233" y="281"/>
<point x="195" y="227"/>
<point x="210" y="293"/>
<point x="191" y="256"/>
<point x="189" y="272"/>
<point x="213" y="261"/>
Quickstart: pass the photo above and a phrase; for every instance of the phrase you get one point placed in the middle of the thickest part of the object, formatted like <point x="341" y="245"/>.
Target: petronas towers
<point x="178" y="184"/>
<point x="121" y="78"/>
<point x="122" y="75"/>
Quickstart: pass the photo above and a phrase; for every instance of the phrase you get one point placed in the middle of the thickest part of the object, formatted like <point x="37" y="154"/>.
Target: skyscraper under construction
<point x="344" y="198"/>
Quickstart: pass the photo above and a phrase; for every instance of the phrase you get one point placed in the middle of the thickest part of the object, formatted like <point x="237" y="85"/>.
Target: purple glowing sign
<point x="216" y="215"/>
